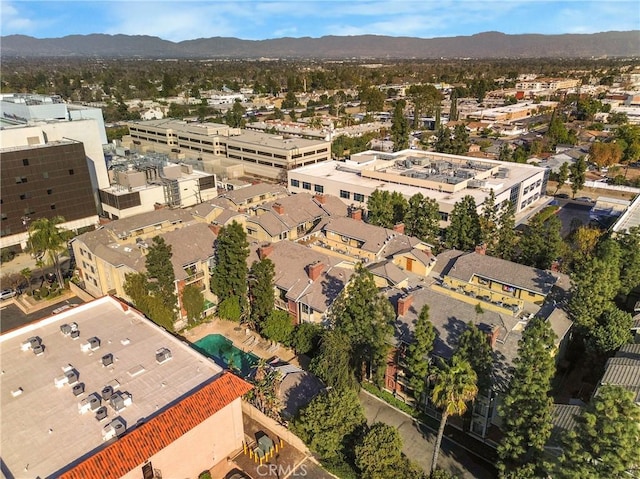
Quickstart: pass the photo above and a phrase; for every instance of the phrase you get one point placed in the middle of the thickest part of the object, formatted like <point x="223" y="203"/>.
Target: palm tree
<point x="50" y="240"/>
<point x="27" y="274"/>
<point x="455" y="386"/>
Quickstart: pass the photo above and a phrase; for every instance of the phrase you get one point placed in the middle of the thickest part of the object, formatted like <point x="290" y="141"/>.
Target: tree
<point x="463" y="232"/>
<point x="489" y="222"/>
<point x="305" y="337"/>
<point x="372" y="99"/>
<point x="542" y="243"/>
<point x="417" y="355"/>
<point x="136" y="286"/>
<point x="49" y="239"/>
<point x="379" y="453"/>
<point x="399" y="127"/>
<point x="630" y="260"/>
<point x="193" y="302"/>
<point x="422" y="218"/>
<point x="474" y="347"/>
<point x="380" y="209"/>
<point x="261" y="291"/>
<point x="278" y="326"/>
<point x="235" y="115"/>
<point x="455" y="386"/>
<point x="507" y="238"/>
<point x="27" y="274"/>
<point x="443" y="142"/>
<point x="230" y="272"/>
<point x="526" y="411"/>
<point x="329" y="420"/>
<point x="605" y="154"/>
<point x="290" y="100"/>
<point x="605" y="441"/>
<point x="453" y="108"/>
<point x="563" y="176"/>
<point x="365" y="317"/>
<point x="160" y="272"/>
<point x="333" y="363"/>
<point x="629" y="138"/>
<point x="425" y="99"/>
<point x="612" y="330"/>
<point x="399" y="207"/>
<point x="577" y="175"/>
<point x="460" y="143"/>
<point x="264" y="394"/>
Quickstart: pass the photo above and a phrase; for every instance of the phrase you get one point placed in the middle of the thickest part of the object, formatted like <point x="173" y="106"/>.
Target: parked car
<point x="7" y="293"/>
<point x="563" y="196"/>
<point x="585" y="199"/>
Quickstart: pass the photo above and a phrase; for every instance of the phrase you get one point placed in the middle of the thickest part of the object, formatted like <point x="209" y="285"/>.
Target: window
<point x="21" y="179"/>
<point x="305" y="308"/>
<point x="295" y="183"/>
<point x="25" y="196"/>
<point x="45" y="174"/>
<point x="49" y="191"/>
<point x="25" y="162"/>
<point x="306" y="186"/>
<point x="318" y="188"/>
<point x="53" y="207"/>
<point x="71" y="172"/>
<point x="358" y="197"/>
<point x="345" y="194"/>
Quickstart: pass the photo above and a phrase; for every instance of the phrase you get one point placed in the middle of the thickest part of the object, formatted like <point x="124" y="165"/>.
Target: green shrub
<point x="390" y="399"/>
<point x="230" y="309"/>
<point x="204" y="475"/>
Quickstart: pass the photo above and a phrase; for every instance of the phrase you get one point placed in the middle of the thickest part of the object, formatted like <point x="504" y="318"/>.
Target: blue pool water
<point x="225" y="354"/>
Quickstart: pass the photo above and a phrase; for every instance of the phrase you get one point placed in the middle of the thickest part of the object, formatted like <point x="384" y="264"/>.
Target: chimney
<point x="278" y="208"/>
<point x="355" y="213"/>
<point x="493" y="336"/>
<point x="399" y="228"/>
<point x="481" y="249"/>
<point x="265" y="250"/>
<point x="314" y="270"/>
<point x="404" y="304"/>
<point x="321" y="199"/>
<point x="216" y="229"/>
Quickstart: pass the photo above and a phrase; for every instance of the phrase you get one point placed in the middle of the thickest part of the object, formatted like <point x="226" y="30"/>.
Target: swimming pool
<point x="225" y="354"/>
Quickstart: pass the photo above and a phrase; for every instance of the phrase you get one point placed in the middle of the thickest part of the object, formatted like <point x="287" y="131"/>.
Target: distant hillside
<point x="482" y="45"/>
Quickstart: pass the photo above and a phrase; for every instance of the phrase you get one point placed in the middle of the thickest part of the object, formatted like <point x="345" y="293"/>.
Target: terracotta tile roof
<point x="134" y="448"/>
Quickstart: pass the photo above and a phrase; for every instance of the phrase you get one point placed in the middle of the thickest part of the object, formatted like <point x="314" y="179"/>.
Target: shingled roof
<point x="134" y="448"/>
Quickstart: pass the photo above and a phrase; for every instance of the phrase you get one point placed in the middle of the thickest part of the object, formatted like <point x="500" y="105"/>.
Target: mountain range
<point x="482" y="45"/>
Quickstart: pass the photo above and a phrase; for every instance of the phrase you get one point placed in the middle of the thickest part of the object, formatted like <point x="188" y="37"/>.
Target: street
<point x="418" y="442"/>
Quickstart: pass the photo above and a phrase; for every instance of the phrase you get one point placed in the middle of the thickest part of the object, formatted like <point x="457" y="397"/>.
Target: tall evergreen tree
<point x="455" y="386"/>
<point x="193" y="302"/>
<point x="606" y="441"/>
<point x="379" y="454"/>
<point x="399" y="127"/>
<point x="417" y="355"/>
<point x="489" y="222"/>
<point x="160" y="272"/>
<point x="422" y="219"/>
<point x="261" y="291"/>
<point x="460" y="141"/>
<point x="577" y="175"/>
<point x="541" y="244"/>
<point x="333" y="364"/>
<point x="453" y="108"/>
<point x="474" y="347"/>
<point x="463" y="232"/>
<point x="443" y="143"/>
<point x="229" y="281"/>
<point x="630" y="261"/>
<point x="399" y="206"/>
<point x="507" y="239"/>
<point x="365" y="316"/>
<point x="526" y="412"/>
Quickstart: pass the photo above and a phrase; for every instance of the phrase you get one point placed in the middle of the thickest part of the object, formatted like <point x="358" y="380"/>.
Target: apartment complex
<point x="101" y="391"/>
<point x="445" y="178"/>
<point x="44" y="181"/>
<point x="511" y="113"/>
<point x="551" y="84"/>
<point x="259" y="154"/>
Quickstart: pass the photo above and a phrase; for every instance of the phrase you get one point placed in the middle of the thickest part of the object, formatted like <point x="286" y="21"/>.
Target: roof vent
<point x="31" y="343"/>
<point x="78" y="389"/>
<point x="101" y="413"/>
<point x="91" y="345"/>
<point x="65" y="329"/>
<point x="90" y="403"/>
<point x="72" y="376"/>
<point x="107" y="359"/>
<point x="115" y="428"/>
<point x="107" y="392"/>
<point x="38" y="350"/>
<point x="75" y="334"/>
<point x="162" y="355"/>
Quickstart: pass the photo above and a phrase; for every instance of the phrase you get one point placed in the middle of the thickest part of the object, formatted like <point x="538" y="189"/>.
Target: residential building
<point x="146" y="183"/>
<point x="445" y="178"/>
<point x="551" y="84"/>
<point x="306" y="281"/>
<point x="259" y="154"/>
<point x="511" y="113"/>
<point x="105" y="256"/>
<point x="624" y="370"/>
<point x="101" y="391"/>
<point x="44" y="181"/>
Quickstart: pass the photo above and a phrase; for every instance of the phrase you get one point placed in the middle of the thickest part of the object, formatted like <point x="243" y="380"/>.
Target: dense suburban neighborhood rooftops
<point x="50" y="422"/>
<point x="242" y="196"/>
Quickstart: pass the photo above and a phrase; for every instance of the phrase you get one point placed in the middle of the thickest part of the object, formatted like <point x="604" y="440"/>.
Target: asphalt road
<point x="418" y="442"/>
<point x="12" y="317"/>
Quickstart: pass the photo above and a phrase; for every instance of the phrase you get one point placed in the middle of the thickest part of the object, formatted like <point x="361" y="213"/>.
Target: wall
<point x="281" y="431"/>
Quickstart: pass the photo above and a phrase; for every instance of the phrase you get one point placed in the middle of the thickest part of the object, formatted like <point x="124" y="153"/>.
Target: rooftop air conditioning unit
<point x="101" y="413"/>
<point x="107" y="359"/>
<point x="78" y="389"/>
<point x="107" y="392"/>
<point x="162" y="355"/>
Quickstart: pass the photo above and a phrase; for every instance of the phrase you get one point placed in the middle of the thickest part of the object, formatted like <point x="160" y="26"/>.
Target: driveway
<point x="418" y="442"/>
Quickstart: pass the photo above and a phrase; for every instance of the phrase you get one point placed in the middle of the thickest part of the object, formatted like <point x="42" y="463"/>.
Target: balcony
<point x="192" y="278"/>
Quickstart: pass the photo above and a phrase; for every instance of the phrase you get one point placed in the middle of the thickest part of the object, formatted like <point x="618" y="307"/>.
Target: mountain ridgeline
<point x="482" y="45"/>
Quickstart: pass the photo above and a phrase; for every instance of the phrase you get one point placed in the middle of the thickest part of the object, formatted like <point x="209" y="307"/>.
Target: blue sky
<point x="256" y="20"/>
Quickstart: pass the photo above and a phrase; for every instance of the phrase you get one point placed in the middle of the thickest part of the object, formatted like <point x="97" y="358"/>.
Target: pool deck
<point x="244" y="339"/>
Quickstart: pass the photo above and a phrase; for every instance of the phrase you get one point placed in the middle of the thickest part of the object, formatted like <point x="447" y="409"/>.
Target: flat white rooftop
<point x="42" y="427"/>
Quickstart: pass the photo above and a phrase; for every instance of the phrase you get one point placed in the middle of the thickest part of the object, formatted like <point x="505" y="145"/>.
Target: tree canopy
<point x="464" y="232"/>
<point x="417" y="355"/>
<point x="230" y="273"/>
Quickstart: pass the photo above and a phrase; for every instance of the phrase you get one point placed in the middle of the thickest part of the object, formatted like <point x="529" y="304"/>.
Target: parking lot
<point x="11" y="316"/>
